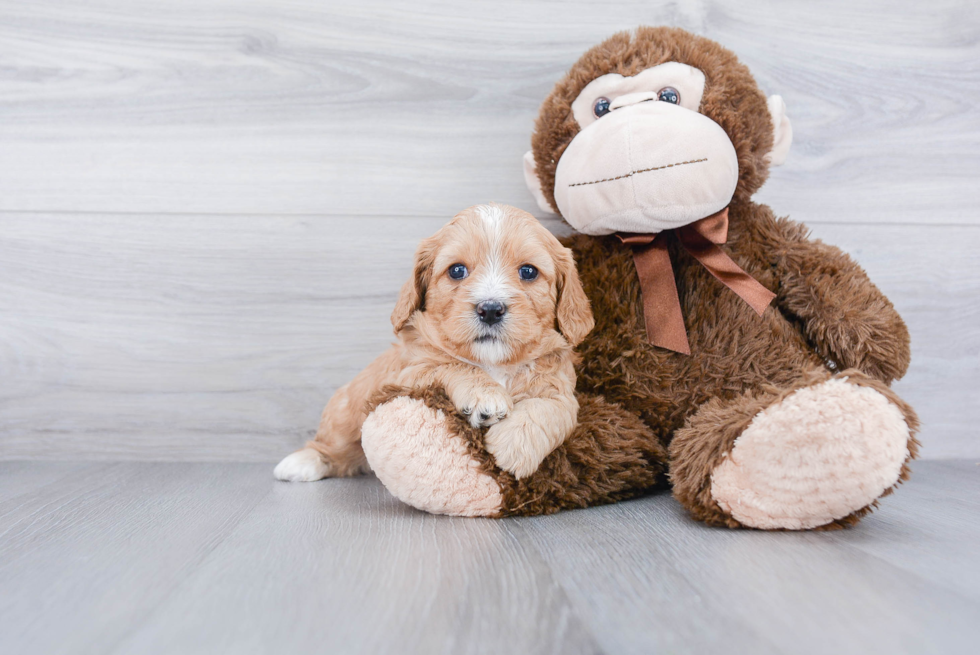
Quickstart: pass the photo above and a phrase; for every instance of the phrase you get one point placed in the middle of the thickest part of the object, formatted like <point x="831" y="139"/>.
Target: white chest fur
<point x="505" y="375"/>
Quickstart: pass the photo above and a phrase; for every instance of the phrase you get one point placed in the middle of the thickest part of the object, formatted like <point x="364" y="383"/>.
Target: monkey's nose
<point x="491" y="311"/>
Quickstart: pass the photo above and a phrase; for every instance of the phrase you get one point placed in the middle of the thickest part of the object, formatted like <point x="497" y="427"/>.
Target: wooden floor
<point x="220" y="558"/>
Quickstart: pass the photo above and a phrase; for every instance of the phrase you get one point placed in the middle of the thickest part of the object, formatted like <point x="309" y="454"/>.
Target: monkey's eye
<point x="600" y="107"/>
<point x="458" y="271"/>
<point x="669" y="94"/>
<point x="528" y="272"/>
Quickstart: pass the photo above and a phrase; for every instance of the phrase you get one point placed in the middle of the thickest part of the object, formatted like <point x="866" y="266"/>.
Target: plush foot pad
<point x="818" y="455"/>
<point x="302" y="466"/>
<point x="424" y="464"/>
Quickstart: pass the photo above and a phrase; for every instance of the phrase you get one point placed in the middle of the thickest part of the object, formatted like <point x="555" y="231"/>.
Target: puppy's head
<point x="493" y="286"/>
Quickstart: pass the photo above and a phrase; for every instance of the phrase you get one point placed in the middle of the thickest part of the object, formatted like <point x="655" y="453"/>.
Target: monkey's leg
<point x="818" y="453"/>
<point x="432" y="459"/>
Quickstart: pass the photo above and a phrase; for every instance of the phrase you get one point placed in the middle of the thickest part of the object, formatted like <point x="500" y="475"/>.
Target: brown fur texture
<point x="740" y="362"/>
<point x="610" y="456"/>
<point x="645" y="408"/>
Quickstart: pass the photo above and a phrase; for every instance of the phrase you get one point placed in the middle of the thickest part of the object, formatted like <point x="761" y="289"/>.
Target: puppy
<point x="491" y="314"/>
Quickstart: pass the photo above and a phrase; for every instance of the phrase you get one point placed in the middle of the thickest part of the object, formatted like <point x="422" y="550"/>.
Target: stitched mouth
<point x="642" y="170"/>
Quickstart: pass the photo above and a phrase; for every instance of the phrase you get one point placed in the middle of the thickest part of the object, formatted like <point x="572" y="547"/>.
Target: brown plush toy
<point x="733" y="359"/>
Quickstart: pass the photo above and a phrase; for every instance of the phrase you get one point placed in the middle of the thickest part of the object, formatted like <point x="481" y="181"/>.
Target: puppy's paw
<point x="519" y="445"/>
<point x="485" y="406"/>
<point x="305" y="465"/>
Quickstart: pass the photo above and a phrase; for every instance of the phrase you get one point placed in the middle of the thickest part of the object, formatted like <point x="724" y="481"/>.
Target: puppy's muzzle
<point x="491" y="312"/>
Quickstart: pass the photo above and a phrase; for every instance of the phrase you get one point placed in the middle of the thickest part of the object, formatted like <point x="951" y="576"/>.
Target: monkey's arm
<point x="847" y="319"/>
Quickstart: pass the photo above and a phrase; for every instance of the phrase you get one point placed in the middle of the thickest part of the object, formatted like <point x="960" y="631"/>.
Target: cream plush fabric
<point x="427" y="466"/>
<point x="688" y="81"/>
<point x="645" y="167"/>
<point x="816" y="456"/>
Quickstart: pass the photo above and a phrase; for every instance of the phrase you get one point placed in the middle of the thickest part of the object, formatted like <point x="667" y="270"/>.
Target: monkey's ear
<point x="534" y="184"/>
<point x="412" y="296"/>
<point x="574" y="312"/>
<point x="782" y="135"/>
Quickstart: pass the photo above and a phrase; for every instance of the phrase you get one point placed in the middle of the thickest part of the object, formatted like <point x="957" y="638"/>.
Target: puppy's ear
<point x="573" y="312"/>
<point x="412" y="296"/>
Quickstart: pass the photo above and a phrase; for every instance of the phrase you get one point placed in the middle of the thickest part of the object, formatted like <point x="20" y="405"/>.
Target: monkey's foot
<point x="817" y="455"/>
<point x="424" y="463"/>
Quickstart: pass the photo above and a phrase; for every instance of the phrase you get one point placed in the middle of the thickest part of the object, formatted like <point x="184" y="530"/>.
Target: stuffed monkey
<point x="734" y="360"/>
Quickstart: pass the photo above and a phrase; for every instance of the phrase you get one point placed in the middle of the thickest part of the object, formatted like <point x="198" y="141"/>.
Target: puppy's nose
<point x="491" y="311"/>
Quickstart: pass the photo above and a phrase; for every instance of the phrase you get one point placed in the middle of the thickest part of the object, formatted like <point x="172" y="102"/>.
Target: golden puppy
<point x="491" y="314"/>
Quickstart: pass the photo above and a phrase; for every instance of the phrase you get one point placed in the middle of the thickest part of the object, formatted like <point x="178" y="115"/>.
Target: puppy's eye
<point x="528" y="272"/>
<point x="669" y="94"/>
<point x="600" y="107"/>
<point x="458" y="271"/>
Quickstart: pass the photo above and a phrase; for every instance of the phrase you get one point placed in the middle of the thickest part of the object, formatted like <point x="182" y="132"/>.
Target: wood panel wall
<point x="207" y="207"/>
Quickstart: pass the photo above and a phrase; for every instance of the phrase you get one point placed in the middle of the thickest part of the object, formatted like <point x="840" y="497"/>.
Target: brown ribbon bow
<point x="661" y="305"/>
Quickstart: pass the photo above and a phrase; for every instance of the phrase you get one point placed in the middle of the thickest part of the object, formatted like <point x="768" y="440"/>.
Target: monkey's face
<point x="645" y="160"/>
<point x="642" y="152"/>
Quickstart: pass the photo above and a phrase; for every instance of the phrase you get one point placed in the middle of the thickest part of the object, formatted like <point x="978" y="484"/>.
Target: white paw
<point x="302" y="466"/>
<point x="518" y="445"/>
<point x="818" y="455"/>
<point x="484" y="407"/>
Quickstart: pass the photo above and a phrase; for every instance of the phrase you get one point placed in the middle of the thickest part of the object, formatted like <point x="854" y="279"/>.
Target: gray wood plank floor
<point x="220" y="558"/>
